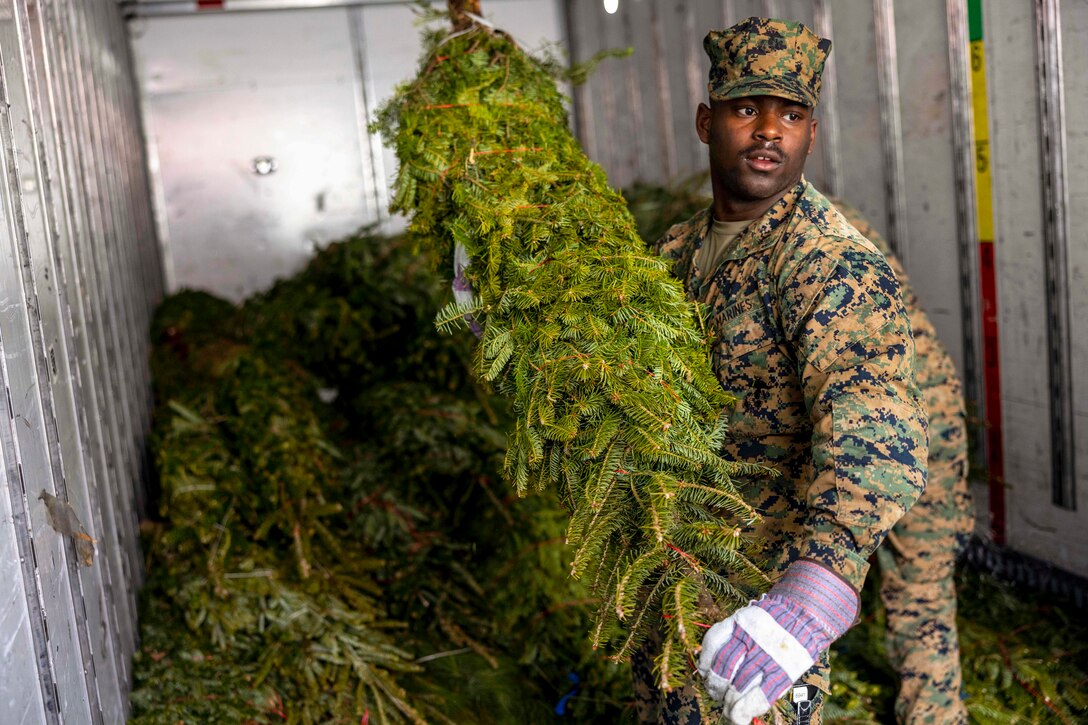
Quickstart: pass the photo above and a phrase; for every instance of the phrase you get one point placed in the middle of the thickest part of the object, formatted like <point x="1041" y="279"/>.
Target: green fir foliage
<point x="467" y="581"/>
<point x="354" y="561"/>
<point x="1024" y="655"/>
<point x="585" y="332"/>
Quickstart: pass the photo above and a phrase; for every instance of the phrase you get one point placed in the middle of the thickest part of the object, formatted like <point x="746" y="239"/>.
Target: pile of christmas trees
<point x="458" y="591"/>
<point x="353" y="560"/>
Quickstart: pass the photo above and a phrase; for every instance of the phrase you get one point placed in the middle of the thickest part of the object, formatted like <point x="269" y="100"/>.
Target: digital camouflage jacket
<point x="812" y="337"/>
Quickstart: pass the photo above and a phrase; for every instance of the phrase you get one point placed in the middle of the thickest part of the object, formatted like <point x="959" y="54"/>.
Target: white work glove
<point x="462" y="290"/>
<point x="750" y="660"/>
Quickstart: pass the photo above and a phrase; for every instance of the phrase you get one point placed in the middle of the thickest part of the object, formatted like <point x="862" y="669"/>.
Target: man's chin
<point x="761" y="189"/>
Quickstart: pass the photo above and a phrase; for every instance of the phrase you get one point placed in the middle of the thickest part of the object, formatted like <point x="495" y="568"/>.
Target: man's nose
<point x="768" y="128"/>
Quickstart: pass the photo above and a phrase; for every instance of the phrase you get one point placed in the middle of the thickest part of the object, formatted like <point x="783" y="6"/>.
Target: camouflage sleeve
<point x="843" y="313"/>
<point x="933" y="367"/>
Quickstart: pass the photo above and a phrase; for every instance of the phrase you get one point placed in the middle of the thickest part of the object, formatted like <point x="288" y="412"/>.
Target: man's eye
<point x="793" y="116"/>
<point x="746" y="111"/>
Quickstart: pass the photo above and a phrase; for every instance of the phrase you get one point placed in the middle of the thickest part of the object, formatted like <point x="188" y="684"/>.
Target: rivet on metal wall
<point x="264" y="165"/>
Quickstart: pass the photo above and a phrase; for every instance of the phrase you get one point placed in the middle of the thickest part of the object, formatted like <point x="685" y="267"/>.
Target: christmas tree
<point x="603" y="358"/>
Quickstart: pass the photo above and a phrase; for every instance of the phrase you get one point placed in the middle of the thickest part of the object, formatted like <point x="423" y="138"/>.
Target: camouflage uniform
<point x="917" y="562"/>
<point x="813" y="338"/>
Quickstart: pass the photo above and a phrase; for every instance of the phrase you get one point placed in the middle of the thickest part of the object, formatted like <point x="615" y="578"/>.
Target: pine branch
<point x="603" y="357"/>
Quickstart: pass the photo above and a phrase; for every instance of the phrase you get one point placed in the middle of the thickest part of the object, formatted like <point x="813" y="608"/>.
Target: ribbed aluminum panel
<point x="1075" y="51"/>
<point x="1030" y="273"/>
<point x="79" y="275"/>
<point x="896" y="141"/>
<point x="885" y="140"/>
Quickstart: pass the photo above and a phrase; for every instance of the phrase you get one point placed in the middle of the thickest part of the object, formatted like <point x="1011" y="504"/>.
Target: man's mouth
<point x="764" y="160"/>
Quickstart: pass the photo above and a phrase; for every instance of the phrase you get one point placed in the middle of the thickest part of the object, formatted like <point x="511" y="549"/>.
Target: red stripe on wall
<point x="210" y="4"/>
<point x="991" y="372"/>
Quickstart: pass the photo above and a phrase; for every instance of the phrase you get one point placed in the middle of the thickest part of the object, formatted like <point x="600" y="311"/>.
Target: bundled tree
<point x="252" y="551"/>
<point x="604" y="360"/>
<point x="299" y="540"/>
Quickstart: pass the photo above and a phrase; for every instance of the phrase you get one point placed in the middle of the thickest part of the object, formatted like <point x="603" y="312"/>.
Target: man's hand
<point x="750" y="659"/>
<point x="462" y="290"/>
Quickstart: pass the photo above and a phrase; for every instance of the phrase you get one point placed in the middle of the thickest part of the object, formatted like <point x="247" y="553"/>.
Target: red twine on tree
<point x="697" y="624"/>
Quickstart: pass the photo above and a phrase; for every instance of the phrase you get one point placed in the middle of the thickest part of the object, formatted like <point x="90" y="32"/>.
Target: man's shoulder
<point x="680" y="235"/>
<point x="818" y="220"/>
<point x="861" y="223"/>
<point x="819" y="234"/>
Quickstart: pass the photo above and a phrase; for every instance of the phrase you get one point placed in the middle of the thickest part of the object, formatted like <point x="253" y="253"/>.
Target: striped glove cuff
<point x="824" y="595"/>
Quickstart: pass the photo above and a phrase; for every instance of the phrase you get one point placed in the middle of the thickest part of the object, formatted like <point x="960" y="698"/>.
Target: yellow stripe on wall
<point x="981" y="122"/>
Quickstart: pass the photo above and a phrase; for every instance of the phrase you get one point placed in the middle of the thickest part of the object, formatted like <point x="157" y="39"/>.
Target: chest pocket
<point x="753" y="363"/>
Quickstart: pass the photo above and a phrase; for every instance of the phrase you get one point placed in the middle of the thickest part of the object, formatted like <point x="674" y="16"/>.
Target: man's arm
<point x="844" y="313"/>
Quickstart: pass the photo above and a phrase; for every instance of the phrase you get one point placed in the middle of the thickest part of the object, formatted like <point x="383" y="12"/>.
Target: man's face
<point x="758" y="147"/>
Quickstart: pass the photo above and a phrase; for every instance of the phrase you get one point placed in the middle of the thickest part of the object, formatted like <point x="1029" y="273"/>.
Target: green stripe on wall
<point x="974" y="19"/>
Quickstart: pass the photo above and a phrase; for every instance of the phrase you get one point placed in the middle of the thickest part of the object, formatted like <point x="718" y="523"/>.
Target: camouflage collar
<point x="759" y="235"/>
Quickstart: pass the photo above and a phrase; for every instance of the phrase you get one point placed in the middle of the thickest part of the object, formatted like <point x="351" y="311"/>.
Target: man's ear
<point x="703" y="115"/>
<point x="812" y="135"/>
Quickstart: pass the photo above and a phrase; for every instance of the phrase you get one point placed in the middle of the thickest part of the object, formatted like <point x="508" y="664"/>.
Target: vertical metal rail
<point x="160" y="223"/>
<point x="118" y="253"/>
<point x="1055" y="243"/>
<point x="963" y="144"/>
<point x="117" y="88"/>
<point x="103" y="243"/>
<point x="26" y="680"/>
<point x="20" y="521"/>
<point x="829" y="105"/>
<point x="693" y="48"/>
<point x="574" y="50"/>
<point x="634" y="94"/>
<point x="84" y="465"/>
<point x="370" y="147"/>
<point x="891" y="130"/>
<point x="138" y="186"/>
<point x="609" y="145"/>
<point x="91" y="336"/>
<point x="729" y="13"/>
<point x="664" y="94"/>
<point x="583" y="117"/>
<point x="132" y="321"/>
<point x="109" y="353"/>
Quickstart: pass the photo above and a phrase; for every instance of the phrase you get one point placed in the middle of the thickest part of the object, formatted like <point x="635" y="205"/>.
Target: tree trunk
<point x="459" y="10"/>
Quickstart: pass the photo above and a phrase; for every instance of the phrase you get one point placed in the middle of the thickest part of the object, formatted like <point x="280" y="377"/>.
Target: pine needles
<point x="602" y="356"/>
<point x="353" y="561"/>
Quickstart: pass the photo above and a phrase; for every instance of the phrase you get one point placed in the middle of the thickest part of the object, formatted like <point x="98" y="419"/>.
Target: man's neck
<point x="731" y="209"/>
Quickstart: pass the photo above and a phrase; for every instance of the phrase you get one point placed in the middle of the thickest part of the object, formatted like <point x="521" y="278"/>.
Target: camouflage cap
<point x="766" y="57"/>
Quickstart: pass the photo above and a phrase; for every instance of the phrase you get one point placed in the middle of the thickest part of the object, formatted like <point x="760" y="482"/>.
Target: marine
<point x="813" y="337"/>
<point x="917" y="561"/>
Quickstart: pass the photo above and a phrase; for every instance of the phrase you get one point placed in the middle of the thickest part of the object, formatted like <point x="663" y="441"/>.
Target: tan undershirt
<point x="722" y="234"/>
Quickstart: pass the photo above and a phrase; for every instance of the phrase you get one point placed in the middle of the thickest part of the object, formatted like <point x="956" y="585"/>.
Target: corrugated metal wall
<point x="896" y="139"/>
<point x="79" y="273"/>
<point x="1035" y="55"/>
<point x="256" y="114"/>
<point x="887" y="138"/>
